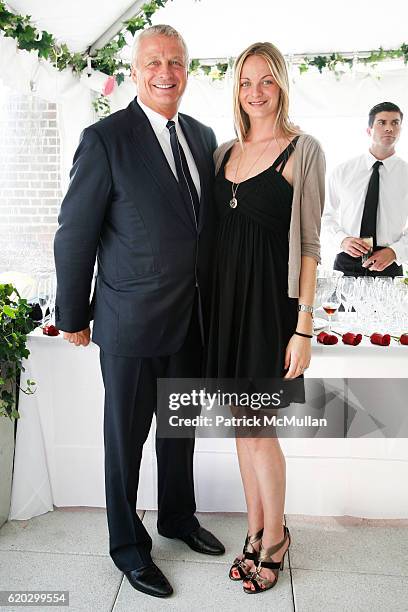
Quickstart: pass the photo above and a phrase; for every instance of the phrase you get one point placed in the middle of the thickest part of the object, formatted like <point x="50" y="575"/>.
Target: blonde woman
<point x="269" y="192"/>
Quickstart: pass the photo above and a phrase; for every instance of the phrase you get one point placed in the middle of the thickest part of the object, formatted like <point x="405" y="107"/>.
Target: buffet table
<point x="59" y="446"/>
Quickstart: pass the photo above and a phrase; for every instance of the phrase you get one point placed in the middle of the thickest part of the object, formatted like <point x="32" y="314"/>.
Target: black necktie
<point x="369" y="219"/>
<point x="186" y="183"/>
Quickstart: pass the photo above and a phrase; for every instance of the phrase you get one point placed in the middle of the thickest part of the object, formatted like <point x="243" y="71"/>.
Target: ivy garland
<point x="330" y="61"/>
<point x="107" y="60"/>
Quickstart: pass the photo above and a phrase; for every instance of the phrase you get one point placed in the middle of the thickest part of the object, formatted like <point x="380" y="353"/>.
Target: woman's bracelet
<point x="303" y="335"/>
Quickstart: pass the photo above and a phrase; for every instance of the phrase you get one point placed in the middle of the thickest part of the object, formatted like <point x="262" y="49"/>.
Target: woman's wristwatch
<point x="305" y="308"/>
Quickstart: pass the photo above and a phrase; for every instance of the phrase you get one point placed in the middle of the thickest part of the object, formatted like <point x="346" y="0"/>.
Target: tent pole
<point x="116" y="27"/>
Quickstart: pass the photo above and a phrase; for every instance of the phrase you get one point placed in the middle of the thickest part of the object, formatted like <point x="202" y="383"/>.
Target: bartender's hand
<point x="380" y="260"/>
<point x="81" y="338"/>
<point x="356" y="247"/>
<point x="297" y="356"/>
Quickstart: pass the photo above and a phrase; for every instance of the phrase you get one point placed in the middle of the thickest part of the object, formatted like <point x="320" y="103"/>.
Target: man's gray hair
<point x="159" y="30"/>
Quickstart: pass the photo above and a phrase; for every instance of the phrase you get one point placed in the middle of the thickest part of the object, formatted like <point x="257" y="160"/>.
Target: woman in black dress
<point x="269" y="195"/>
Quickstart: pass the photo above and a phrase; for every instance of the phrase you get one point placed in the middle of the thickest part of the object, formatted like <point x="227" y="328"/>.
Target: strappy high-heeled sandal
<point x="249" y="552"/>
<point x="260" y="583"/>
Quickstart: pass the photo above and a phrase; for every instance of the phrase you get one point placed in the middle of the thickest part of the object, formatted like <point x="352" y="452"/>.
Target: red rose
<point x="381" y="340"/>
<point x="352" y="339"/>
<point x="404" y="339"/>
<point x="321" y="337"/>
<point x="325" y="338"/>
<point x="50" y="330"/>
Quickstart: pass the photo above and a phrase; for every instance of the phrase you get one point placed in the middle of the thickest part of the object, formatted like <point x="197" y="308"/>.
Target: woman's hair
<point x="277" y="66"/>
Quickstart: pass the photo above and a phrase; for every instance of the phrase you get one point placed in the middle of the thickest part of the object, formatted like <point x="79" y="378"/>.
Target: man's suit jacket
<point x="124" y="205"/>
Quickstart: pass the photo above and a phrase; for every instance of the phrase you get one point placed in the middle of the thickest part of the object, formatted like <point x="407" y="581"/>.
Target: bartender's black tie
<point x="183" y="173"/>
<point x="369" y="219"/>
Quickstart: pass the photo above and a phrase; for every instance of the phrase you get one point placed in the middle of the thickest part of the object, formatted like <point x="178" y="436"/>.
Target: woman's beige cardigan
<point x="307" y="205"/>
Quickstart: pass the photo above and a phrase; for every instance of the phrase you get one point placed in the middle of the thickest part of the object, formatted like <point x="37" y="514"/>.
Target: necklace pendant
<point x="233" y="202"/>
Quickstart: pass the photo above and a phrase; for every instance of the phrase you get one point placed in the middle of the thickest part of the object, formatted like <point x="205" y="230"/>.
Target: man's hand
<point x="356" y="247"/>
<point x="380" y="260"/>
<point x="81" y="338"/>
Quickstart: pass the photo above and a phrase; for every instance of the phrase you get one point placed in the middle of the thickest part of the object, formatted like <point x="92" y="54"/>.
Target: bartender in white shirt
<point x="368" y="198"/>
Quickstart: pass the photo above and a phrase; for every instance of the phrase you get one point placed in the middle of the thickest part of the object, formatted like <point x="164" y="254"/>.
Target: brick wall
<point x="30" y="193"/>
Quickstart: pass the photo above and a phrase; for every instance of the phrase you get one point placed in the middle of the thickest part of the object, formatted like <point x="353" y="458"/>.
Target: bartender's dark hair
<point x="387" y="107"/>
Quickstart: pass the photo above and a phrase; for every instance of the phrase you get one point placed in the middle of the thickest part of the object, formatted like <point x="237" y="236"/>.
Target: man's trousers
<point x="130" y="401"/>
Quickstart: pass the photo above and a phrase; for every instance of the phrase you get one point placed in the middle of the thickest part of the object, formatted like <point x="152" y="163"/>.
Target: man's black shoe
<point x="150" y="580"/>
<point x="203" y="541"/>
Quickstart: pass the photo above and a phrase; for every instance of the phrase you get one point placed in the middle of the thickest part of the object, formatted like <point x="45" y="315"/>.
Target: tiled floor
<point x="336" y="565"/>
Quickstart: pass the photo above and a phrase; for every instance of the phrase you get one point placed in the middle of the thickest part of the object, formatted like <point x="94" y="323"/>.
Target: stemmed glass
<point x="347" y="289"/>
<point x="382" y="290"/>
<point x="331" y="303"/>
<point x="398" y="307"/>
<point x="44" y="294"/>
<point x="366" y="302"/>
<point x="53" y="290"/>
<point x="404" y="310"/>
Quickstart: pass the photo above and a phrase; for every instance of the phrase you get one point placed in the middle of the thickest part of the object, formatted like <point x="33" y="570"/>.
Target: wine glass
<point x="346" y="289"/>
<point x="363" y="304"/>
<point x="399" y="310"/>
<point x="380" y="293"/>
<point x="44" y="292"/>
<point x="331" y="303"/>
<point x="53" y="292"/>
<point x="326" y="281"/>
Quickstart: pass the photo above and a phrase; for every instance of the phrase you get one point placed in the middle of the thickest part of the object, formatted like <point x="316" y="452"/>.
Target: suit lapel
<point x="153" y="157"/>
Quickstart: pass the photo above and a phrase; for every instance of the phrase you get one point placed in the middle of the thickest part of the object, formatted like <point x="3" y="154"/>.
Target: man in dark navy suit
<point x="140" y="201"/>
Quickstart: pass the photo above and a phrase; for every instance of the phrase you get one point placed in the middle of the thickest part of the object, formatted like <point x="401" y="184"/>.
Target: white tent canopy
<point x="215" y="28"/>
<point x="77" y="23"/>
<point x="333" y="110"/>
<point x="221" y="28"/>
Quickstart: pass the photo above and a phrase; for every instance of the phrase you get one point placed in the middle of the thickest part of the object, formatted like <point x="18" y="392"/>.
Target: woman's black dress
<point x="252" y="317"/>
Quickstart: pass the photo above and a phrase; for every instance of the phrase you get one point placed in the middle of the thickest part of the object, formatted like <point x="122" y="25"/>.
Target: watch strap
<point x="305" y="308"/>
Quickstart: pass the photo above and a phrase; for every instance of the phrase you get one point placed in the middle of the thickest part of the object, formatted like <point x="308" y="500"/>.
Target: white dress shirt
<point x="347" y="191"/>
<point x="158" y="123"/>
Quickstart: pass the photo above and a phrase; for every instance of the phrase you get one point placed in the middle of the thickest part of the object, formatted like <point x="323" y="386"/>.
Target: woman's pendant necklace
<point x="234" y="186"/>
<point x="233" y="201"/>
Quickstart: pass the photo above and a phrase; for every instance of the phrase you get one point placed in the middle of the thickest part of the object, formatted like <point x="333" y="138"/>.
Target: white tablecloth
<point x="59" y="446"/>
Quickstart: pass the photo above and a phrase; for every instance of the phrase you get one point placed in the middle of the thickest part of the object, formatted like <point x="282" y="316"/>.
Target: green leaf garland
<point x="107" y="60"/>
